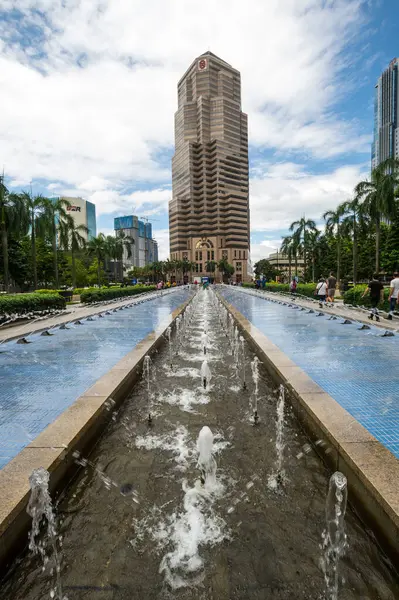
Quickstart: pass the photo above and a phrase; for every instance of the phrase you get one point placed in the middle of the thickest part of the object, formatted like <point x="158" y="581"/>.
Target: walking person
<point x="331" y="286"/>
<point x="321" y="291"/>
<point x="293" y="286"/>
<point x="376" y="291"/>
<point x="393" y="294"/>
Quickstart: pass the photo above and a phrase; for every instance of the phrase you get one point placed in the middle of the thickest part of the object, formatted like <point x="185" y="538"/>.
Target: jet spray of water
<point x="206" y="375"/>
<point x="277" y="478"/>
<point x="255" y="377"/>
<point x="334" y="536"/>
<point x="147" y="376"/>
<point x="206" y="461"/>
<point x="40" y="508"/>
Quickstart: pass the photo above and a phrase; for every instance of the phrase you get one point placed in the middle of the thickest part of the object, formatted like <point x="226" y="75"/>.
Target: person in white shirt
<point x="321" y="291"/>
<point x="393" y="294"/>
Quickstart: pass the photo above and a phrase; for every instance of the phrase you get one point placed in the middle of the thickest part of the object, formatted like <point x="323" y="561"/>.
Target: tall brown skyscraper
<point x="209" y="210"/>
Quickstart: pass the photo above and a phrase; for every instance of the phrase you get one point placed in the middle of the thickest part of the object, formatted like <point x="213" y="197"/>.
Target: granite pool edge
<point x="371" y="469"/>
<point x="76" y="429"/>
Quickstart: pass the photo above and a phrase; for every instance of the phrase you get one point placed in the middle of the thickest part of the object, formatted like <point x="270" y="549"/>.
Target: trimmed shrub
<point x="23" y="303"/>
<point x="97" y="294"/>
<point x="354" y="297"/>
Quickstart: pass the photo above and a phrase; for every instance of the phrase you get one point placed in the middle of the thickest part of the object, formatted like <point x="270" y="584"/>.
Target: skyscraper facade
<point x="144" y="249"/>
<point x="209" y="210"/>
<point x="386" y="125"/>
<point x="83" y="212"/>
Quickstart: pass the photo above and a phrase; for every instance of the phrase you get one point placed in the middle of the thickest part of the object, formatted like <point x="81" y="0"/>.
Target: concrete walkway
<point x="73" y="313"/>
<point x="339" y="309"/>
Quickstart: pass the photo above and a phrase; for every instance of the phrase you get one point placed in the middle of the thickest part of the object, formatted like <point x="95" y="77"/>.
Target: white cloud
<point x="262" y="250"/>
<point x="102" y="96"/>
<point x="276" y="201"/>
<point x="162" y="237"/>
<point x="87" y="106"/>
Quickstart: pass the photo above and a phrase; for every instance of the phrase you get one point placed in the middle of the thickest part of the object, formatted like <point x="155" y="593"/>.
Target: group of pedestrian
<point x="325" y="289"/>
<point x="376" y="291"/>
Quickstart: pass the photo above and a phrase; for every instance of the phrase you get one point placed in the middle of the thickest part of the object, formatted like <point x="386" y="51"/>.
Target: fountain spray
<point x="255" y="377"/>
<point x="40" y="507"/>
<point x="206" y="374"/>
<point x="206" y="461"/>
<point x="334" y="536"/>
<point x="244" y="382"/>
<point x="147" y="377"/>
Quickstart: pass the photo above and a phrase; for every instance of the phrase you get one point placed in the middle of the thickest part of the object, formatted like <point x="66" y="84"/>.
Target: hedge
<point x="22" y="303"/>
<point x="354" y="297"/>
<point x="97" y="295"/>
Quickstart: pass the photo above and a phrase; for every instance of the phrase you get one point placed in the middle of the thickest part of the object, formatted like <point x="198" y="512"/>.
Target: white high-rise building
<point x="386" y="124"/>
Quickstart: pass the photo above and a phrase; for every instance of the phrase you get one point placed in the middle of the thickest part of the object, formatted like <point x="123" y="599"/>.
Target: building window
<point x="243" y="254"/>
<point x="239" y="254"/>
<point x="224" y="254"/>
<point x="238" y="266"/>
<point x="235" y="253"/>
<point x="209" y="255"/>
<point x="200" y="267"/>
<point x="196" y="267"/>
<point x="213" y="255"/>
<point x="196" y="256"/>
<point x="185" y="255"/>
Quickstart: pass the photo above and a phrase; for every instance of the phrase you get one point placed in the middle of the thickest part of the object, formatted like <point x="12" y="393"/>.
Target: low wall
<point x="371" y="469"/>
<point x="77" y="428"/>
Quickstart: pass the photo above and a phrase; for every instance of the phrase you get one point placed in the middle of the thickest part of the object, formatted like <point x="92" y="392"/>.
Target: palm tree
<point x="378" y="196"/>
<point x="287" y="249"/>
<point x="72" y="236"/>
<point x="333" y="223"/>
<point x="314" y="248"/>
<point x="186" y="267"/>
<point x="54" y="210"/>
<point x="97" y="247"/>
<point x="36" y="206"/>
<point x="353" y="215"/>
<point x="225" y="268"/>
<point x="300" y="230"/>
<point x="122" y="242"/>
<point x="13" y="219"/>
<point x="210" y="266"/>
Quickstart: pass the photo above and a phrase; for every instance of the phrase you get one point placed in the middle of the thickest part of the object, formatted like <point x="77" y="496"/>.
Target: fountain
<point x="206" y="374"/>
<point x="334" y="536"/>
<point x="243" y="375"/>
<point x="178" y="335"/>
<point x="40" y="508"/>
<point x="206" y="461"/>
<point x="169" y="337"/>
<point x="204" y="341"/>
<point x="255" y="377"/>
<point x="277" y="478"/>
<point x="147" y="378"/>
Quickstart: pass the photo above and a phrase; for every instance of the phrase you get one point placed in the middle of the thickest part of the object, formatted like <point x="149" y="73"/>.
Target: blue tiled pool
<point x="359" y="369"/>
<point x="39" y="381"/>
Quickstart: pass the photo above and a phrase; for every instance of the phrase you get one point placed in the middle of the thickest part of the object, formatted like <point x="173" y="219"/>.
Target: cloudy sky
<point x="88" y="94"/>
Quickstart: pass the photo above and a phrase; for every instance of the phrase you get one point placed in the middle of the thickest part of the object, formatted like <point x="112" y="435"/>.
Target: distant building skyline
<point x="83" y="212"/>
<point x="209" y="210"/>
<point x="145" y="248"/>
<point x="386" y="127"/>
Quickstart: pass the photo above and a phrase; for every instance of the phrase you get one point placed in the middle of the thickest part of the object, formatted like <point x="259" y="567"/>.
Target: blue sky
<point x="89" y="93"/>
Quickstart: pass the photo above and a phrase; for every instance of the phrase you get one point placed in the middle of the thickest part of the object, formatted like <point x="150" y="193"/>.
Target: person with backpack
<point x="321" y="291"/>
<point x="293" y="286"/>
<point x="376" y="291"/>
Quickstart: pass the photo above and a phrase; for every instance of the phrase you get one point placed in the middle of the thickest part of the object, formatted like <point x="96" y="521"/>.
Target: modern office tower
<point x="83" y="213"/>
<point x="145" y="248"/>
<point x="209" y="210"/>
<point x="386" y="126"/>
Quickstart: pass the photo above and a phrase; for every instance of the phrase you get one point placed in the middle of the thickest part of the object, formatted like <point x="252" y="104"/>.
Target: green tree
<point x="36" y="206"/>
<point x="264" y="267"/>
<point x="300" y="231"/>
<point x="13" y="220"/>
<point x="333" y="223"/>
<point x="225" y="268"/>
<point x="378" y="196"/>
<point x="210" y="267"/>
<point x="72" y="237"/>
<point x="53" y="212"/>
<point x="287" y="248"/>
<point x="97" y="247"/>
<point x="390" y="252"/>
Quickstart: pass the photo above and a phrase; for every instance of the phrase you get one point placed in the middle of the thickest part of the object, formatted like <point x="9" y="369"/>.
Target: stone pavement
<point x="73" y="313"/>
<point x="339" y="309"/>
